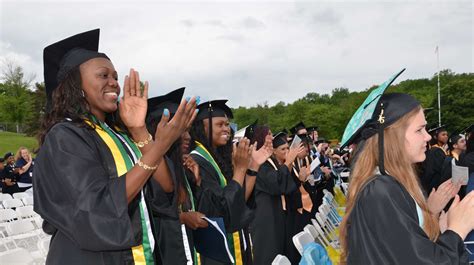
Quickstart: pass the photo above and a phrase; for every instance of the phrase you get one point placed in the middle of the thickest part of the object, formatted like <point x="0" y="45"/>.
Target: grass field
<point x="10" y="142"/>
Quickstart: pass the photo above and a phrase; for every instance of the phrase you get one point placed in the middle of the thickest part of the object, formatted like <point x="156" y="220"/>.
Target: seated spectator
<point x="24" y="163"/>
<point x="9" y="175"/>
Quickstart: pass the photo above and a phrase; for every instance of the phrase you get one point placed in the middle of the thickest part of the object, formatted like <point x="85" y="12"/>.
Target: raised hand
<point x="168" y="131"/>
<point x="133" y="105"/>
<point x="241" y="155"/>
<point x="438" y="198"/>
<point x="190" y="164"/>
<point x="461" y="215"/>
<point x="261" y="155"/>
<point x="304" y="173"/>
<point x="293" y="152"/>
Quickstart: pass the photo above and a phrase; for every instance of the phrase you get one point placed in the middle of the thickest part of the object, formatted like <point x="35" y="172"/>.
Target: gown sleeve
<point x="77" y="195"/>
<point x="216" y="201"/>
<point x="274" y="182"/>
<point x="384" y="229"/>
<point x="163" y="204"/>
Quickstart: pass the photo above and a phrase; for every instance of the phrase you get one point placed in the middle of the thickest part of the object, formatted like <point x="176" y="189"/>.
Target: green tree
<point x="15" y="98"/>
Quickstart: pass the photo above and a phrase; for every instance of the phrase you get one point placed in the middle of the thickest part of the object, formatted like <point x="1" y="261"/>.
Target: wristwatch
<point x="251" y="172"/>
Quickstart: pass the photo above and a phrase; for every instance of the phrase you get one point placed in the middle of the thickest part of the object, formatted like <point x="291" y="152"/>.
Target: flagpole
<point x="439" y="91"/>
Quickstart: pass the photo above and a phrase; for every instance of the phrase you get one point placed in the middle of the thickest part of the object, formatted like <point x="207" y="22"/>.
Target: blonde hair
<point x="18" y="153"/>
<point x="398" y="165"/>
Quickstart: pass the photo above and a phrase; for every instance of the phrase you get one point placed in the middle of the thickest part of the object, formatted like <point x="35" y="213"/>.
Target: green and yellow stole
<point x="118" y="144"/>
<point x="233" y="239"/>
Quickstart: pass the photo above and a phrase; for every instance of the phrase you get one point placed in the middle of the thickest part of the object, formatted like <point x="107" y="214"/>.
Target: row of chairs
<point x="8" y="215"/>
<point x="321" y="237"/>
<point x="26" y="238"/>
<point x="14" y="203"/>
<point x="17" y="195"/>
<point x="22" y="240"/>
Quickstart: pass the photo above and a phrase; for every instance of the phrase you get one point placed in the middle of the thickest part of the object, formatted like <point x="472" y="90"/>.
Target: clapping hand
<point x="438" y="198"/>
<point x="241" y="155"/>
<point x="133" y="105"/>
<point x="261" y="155"/>
<point x="304" y="173"/>
<point x="168" y="131"/>
<point x="190" y="164"/>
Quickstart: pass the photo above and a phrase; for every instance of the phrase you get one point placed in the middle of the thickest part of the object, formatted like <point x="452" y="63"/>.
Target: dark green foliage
<point x="332" y="112"/>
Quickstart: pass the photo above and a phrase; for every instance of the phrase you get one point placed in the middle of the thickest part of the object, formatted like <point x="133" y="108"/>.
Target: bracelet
<point x="145" y="166"/>
<point x="251" y="172"/>
<point x="143" y="143"/>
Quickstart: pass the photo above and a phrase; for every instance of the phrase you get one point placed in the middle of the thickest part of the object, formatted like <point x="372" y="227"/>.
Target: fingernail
<point x="166" y="112"/>
<point x="198" y="99"/>
<point x="187" y="99"/>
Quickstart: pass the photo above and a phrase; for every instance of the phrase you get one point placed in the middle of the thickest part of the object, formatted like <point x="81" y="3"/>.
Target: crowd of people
<point x="16" y="171"/>
<point x="130" y="181"/>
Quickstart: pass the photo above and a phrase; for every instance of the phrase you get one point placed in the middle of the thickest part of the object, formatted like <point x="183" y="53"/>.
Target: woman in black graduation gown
<point x="273" y="182"/>
<point x="92" y="164"/>
<point x="388" y="220"/>
<point x="174" y="239"/>
<point x="228" y="177"/>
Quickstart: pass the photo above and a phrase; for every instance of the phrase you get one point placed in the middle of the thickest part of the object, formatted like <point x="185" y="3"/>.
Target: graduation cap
<point x="376" y="113"/>
<point x="297" y="127"/>
<point x="157" y="105"/>
<point x="312" y="129"/>
<point x="61" y="57"/>
<point x="454" y="138"/>
<point x="436" y="129"/>
<point x="250" y="130"/>
<point x="321" y="140"/>
<point x="279" y="139"/>
<point x="8" y="155"/>
<point x="305" y="138"/>
<point x="468" y="129"/>
<point x="214" y="108"/>
<point x="170" y="101"/>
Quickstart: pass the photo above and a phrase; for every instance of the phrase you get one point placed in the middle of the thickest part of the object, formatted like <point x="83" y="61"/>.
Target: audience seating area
<point x="22" y="240"/>
<point x="318" y="243"/>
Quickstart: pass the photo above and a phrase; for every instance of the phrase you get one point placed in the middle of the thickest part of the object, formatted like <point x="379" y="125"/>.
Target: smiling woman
<point x="388" y="220"/>
<point x="96" y="157"/>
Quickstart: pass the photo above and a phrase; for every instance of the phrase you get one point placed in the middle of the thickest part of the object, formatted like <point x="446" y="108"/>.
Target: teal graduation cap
<point x="365" y="112"/>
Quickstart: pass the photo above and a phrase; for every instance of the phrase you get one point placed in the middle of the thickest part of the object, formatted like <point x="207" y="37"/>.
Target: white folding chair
<point x="12" y="203"/>
<point x="16" y="257"/>
<point x="323" y="236"/>
<point x="5" y="196"/>
<point x="332" y="216"/>
<point x="309" y="228"/>
<point x="20" y="195"/>
<point x="43" y="245"/>
<point x="27" y="200"/>
<point x="301" y="239"/>
<point x="328" y="230"/>
<point x="7" y="215"/>
<point x="20" y="227"/>
<point x="26" y="212"/>
<point x="281" y="260"/>
<point x="38" y="221"/>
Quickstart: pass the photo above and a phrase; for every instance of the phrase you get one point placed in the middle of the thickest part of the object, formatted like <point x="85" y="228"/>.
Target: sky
<point x="251" y="52"/>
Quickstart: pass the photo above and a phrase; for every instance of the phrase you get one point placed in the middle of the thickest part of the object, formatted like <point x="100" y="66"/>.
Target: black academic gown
<point x="268" y="227"/>
<point x="228" y="202"/>
<point x="78" y="193"/>
<point x="432" y="168"/>
<point x="384" y="229"/>
<point x="170" y="241"/>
